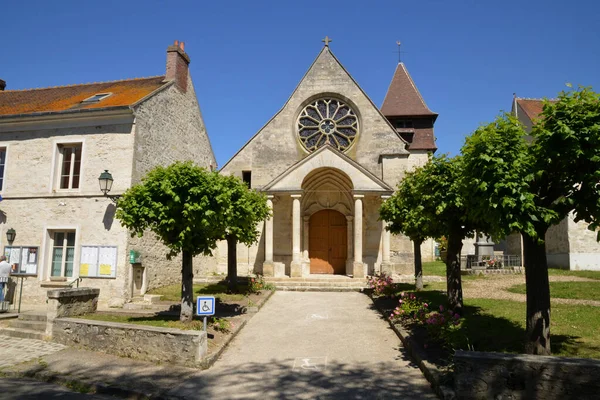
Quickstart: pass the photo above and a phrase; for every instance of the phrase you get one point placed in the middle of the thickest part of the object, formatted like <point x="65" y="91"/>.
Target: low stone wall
<point x="69" y="303"/>
<point x="479" y="375"/>
<point x="147" y="343"/>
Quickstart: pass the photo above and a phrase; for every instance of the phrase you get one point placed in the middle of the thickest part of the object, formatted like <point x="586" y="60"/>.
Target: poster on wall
<point x="24" y="258"/>
<point x="98" y="261"/>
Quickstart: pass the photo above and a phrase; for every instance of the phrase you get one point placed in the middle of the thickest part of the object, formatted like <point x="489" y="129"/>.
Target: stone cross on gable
<point x="326" y="41"/>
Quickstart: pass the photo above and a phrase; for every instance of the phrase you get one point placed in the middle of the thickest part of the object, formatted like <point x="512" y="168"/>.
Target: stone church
<point x="326" y="161"/>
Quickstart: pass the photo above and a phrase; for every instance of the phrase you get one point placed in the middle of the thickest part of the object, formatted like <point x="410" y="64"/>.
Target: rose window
<point x="327" y="121"/>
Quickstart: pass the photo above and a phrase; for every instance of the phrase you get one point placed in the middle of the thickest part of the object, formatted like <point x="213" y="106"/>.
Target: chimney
<point x="177" y="65"/>
<point x="2" y="85"/>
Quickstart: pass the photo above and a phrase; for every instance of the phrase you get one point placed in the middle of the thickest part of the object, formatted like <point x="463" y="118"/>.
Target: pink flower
<point x="441" y="308"/>
<point x="425" y="305"/>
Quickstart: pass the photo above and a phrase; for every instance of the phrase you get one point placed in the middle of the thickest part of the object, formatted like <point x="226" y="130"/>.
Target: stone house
<point x="326" y="161"/>
<point x="569" y="244"/>
<point x="54" y="144"/>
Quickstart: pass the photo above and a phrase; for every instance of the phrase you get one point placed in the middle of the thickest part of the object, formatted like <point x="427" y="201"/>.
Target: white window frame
<point x="63" y="266"/>
<point x="58" y="161"/>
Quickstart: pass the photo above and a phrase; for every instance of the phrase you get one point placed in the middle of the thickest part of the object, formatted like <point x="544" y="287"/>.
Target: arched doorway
<point x="327" y="244"/>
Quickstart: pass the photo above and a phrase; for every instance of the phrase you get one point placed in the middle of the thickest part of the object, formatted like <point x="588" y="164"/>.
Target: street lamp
<point x="10" y="235"/>
<point x="106" y="180"/>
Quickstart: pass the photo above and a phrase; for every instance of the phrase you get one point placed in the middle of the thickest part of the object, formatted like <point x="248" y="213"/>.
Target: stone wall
<point x="69" y="303"/>
<point x="158" y="345"/>
<point x="495" y="376"/>
<point x="169" y="128"/>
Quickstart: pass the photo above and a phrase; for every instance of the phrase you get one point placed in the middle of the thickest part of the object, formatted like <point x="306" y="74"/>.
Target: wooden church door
<point x="327" y="244"/>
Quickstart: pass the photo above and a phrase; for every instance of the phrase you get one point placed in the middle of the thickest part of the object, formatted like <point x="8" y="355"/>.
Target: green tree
<point x="189" y="209"/>
<point x="514" y="186"/>
<point x="246" y="209"/>
<point x="404" y="212"/>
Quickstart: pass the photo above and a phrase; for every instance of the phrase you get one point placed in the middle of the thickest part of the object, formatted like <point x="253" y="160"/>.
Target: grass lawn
<point x="163" y="321"/>
<point x="219" y="290"/>
<point x="568" y="290"/>
<point x="581" y="274"/>
<point x="499" y="326"/>
<point x="437" y="268"/>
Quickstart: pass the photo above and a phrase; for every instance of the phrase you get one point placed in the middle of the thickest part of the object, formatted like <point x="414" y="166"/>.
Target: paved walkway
<point x="28" y="389"/>
<point x="310" y="345"/>
<point x="14" y="351"/>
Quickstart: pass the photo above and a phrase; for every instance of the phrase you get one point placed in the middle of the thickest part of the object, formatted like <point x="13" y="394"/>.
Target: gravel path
<point x="494" y="287"/>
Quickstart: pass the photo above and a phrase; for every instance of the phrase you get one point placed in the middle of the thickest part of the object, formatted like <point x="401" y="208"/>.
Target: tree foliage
<point x="405" y="213"/>
<point x="429" y="203"/>
<point x="516" y="186"/>
<point x="190" y="209"/>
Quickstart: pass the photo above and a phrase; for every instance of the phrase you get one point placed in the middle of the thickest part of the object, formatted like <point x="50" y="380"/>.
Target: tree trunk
<point x="418" y="265"/>
<point x="187" y="287"/>
<point x="232" y="263"/>
<point x="538" y="295"/>
<point x="453" y="278"/>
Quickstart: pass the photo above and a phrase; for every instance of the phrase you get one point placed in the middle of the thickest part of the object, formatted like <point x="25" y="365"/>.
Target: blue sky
<point x="466" y="57"/>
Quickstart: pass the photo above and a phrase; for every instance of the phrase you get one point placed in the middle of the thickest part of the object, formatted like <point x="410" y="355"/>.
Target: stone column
<point x="349" y="268"/>
<point x="358" y="270"/>
<point x="305" y="238"/>
<point x="268" y="269"/>
<point x="386" y="265"/>
<point x="296" y="266"/>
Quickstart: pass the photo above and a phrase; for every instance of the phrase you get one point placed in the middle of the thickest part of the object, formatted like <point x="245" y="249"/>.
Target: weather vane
<point x="398" y="43"/>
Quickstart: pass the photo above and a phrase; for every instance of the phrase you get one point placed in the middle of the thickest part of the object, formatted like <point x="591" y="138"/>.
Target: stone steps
<point x="26" y="326"/>
<point x="39" y="326"/>
<point x="318" y="288"/>
<point x="22" y="333"/>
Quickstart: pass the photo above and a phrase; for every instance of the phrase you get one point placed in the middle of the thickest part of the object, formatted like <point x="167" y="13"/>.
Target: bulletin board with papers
<point x="25" y="258"/>
<point x="98" y="261"/>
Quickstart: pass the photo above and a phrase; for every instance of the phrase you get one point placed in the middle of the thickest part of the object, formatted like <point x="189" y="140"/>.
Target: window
<point x="70" y="165"/>
<point x="404" y="124"/>
<point x="25" y="258"/>
<point x="407" y="136"/>
<point x="98" y="261"/>
<point x="63" y="254"/>
<point x="247" y="178"/>
<point x="96" y="98"/>
<point x="2" y="165"/>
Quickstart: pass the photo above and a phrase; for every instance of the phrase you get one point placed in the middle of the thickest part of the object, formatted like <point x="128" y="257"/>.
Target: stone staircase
<point x="26" y="326"/>
<point x="319" y="283"/>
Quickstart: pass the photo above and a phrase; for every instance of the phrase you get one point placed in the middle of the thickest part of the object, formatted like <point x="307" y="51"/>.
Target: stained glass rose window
<point x="327" y="121"/>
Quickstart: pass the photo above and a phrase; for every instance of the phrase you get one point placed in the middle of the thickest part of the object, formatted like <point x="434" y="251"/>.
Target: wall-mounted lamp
<point x="10" y="235"/>
<point x="106" y="181"/>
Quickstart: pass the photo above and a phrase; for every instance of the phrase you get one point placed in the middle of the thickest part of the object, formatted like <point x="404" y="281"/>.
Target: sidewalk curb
<point x="430" y="371"/>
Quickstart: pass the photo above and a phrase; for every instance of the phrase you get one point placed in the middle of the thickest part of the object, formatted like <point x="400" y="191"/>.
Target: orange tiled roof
<point x="64" y="98"/>
<point x="532" y="107"/>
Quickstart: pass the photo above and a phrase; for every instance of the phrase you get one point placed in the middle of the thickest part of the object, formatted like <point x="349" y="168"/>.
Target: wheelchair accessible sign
<point x="205" y="305"/>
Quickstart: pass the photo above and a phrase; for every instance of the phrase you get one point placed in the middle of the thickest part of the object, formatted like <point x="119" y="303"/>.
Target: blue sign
<point x="205" y="305"/>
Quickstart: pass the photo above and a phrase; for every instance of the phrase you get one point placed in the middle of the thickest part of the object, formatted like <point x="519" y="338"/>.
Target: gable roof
<point x="403" y="97"/>
<point x="68" y="98"/>
<point x="327" y="157"/>
<point x="531" y="107"/>
<point x="323" y="56"/>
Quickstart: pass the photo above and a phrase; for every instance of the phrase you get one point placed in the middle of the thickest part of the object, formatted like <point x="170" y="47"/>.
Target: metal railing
<point x="75" y="282"/>
<point x="492" y="262"/>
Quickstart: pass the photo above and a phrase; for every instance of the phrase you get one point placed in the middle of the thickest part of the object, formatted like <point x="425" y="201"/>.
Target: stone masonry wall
<point x="69" y="303"/>
<point x="158" y="345"/>
<point x="34" y="206"/>
<point x="169" y="128"/>
<point x="506" y="376"/>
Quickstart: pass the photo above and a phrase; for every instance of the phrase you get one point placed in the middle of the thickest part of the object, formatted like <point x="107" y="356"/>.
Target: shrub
<point x="382" y="284"/>
<point x="258" y="284"/>
<point x="441" y="325"/>
<point x="410" y="308"/>
<point x="221" y="325"/>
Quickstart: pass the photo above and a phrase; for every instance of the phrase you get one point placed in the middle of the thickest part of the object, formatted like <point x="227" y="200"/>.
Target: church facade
<point x="326" y="161"/>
